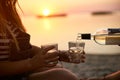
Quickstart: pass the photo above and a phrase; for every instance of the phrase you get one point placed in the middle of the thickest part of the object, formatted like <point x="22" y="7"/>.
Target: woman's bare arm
<point x="41" y="59"/>
<point x="14" y="67"/>
<point x="17" y="67"/>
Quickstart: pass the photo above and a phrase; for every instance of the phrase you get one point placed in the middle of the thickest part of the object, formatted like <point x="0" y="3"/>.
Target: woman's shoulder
<point x="23" y="35"/>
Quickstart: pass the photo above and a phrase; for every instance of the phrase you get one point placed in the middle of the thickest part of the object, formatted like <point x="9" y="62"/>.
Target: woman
<point x="21" y="60"/>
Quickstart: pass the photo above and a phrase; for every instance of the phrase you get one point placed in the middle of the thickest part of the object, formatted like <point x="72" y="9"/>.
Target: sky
<point x="68" y="6"/>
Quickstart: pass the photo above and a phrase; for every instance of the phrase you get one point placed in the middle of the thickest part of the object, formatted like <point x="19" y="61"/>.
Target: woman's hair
<point x="8" y="14"/>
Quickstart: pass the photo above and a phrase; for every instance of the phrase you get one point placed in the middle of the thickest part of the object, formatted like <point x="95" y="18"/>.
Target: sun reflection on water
<point x="46" y="24"/>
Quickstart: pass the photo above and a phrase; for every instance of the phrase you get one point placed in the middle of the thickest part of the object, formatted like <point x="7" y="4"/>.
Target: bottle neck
<point x="85" y="36"/>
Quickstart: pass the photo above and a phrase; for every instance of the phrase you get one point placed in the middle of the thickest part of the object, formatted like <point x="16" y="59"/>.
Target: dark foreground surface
<point x="96" y="66"/>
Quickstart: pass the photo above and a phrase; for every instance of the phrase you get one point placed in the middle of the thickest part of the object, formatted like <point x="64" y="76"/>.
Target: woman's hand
<point x="113" y="76"/>
<point x="45" y="57"/>
<point x="64" y="56"/>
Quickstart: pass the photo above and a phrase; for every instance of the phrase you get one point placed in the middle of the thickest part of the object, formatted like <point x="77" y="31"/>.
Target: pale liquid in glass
<point x="75" y="54"/>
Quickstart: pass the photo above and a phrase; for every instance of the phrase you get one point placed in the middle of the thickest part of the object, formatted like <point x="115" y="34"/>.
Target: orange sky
<point x="69" y="6"/>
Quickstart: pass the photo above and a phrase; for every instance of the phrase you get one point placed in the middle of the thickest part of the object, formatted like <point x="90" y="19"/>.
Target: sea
<point x="101" y="60"/>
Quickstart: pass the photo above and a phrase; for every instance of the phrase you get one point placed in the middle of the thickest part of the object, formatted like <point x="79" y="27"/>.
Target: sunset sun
<point x="46" y="12"/>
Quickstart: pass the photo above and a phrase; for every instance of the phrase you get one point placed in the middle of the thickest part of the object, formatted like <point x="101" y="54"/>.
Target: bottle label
<point x="112" y="40"/>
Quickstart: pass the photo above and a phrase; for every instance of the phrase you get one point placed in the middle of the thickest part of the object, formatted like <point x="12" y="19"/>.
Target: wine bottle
<point x="104" y="37"/>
